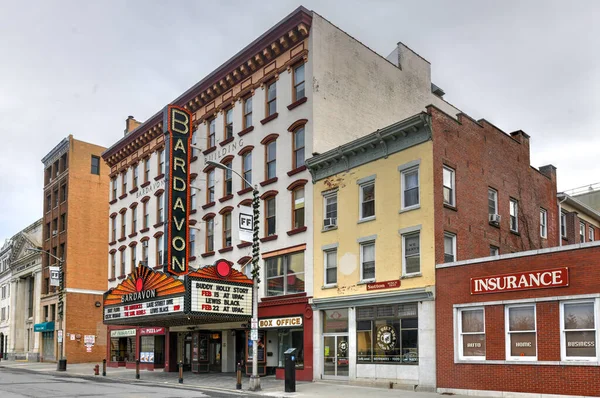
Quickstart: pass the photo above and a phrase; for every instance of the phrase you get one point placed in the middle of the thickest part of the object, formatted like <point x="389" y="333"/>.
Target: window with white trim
<point x="330" y="266"/>
<point x="367" y="200"/>
<point x="330" y="209"/>
<point x="563" y="224"/>
<point x="521" y="333"/>
<point x="494" y="250"/>
<point x="578" y="331"/>
<point x="448" y="181"/>
<point x="543" y="223"/>
<point x="449" y="247"/>
<point x="581" y="232"/>
<point x="514" y="215"/>
<point x="591" y="234"/>
<point x="410" y="188"/>
<point x="367" y="261"/>
<point x="492" y="201"/>
<point x="471" y="333"/>
<point x="411" y="253"/>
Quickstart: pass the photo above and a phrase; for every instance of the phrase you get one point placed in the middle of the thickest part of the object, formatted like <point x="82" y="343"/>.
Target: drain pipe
<point x="560" y="202"/>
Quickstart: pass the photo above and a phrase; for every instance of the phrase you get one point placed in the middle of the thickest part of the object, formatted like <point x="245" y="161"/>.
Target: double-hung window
<point x="113" y="265"/>
<point x="192" y="242"/>
<point x="581" y="232"/>
<point x="124" y="183"/>
<point x="160" y="210"/>
<point x="145" y="251"/>
<point x="298" y="148"/>
<point x="330" y="209"/>
<point x="298" y="208"/>
<point x="133" y="257"/>
<point x="123" y="261"/>
<point x="330" y="266"/>
<point x="270" y="220"/>
<point x="210" y="235"/>
<point x="159" y="250"/>
<point x="227" y="181"/>
<point x="248" y="112"/>
<point x="563" y="224"/>
<point x="228" y="123"/>
<point x="492" y="202"/>
<point x="123" y="225"/>
<point x="114" y="188"/>
<point x="146" y="170"/>
<point x="285" y="274"/>
<point x="471" y="330"/>
<point x="247" y="169"/>
<point x="411" y="253"/>
<point x="449" y="247"/>
<point x="410" y="188"/>
<point x="227" y="242"/>
<point x="193" y="195"/>
<point x="135" y="176"/>
<point x="210" y="186"/>
<point x="95" y="165"/>
<point x="146" y="220"/>
<point x="521" y="335"/>
<point x="543" y="223"/>
<point x="367" y="261"/>
<point x="134" y="220"/>
<point x="514" y="215"/>
<point x="271" y="98"/>
<point x="494" y="250"/>
<point x="579" y="331"/>
<point x="448" y="181"/>
<point x="591" y="234"/>
<point x="271" y="160"/>
<point x="367" y="199"/>
<point x="161" y="162"/>
<point x="113" y="229"/>
<point x="299" y="82"/>
<point x="211" y="142"/>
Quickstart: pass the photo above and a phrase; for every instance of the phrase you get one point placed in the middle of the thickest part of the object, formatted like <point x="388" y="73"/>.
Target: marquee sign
<point x="145" y="293"/>
<point x="177" y="126"/>
<point x="219" y="290"/>
<point x="540" y="279"/>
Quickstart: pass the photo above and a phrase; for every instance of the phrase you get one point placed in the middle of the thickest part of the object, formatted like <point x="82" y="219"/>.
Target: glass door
<point x="336" y="361"/>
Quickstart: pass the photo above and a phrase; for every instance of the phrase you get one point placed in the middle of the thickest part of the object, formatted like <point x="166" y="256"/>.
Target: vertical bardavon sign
<point x="177" y="126"/>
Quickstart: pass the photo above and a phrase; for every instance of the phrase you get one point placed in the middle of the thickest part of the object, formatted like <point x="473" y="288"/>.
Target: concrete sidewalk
<point x="224" y="382"/>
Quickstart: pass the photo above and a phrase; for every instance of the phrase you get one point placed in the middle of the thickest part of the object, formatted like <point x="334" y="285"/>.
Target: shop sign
<point x="54" y="276"/>
<point x="178" y="130"/>
<point x="212" y="297"/>
<point x="542" y="279"/>
<point x="291" y="321"/>
<point x="149" y="331"/>
<point x="122" y="333"/>
<point x="43" y="327"/>
<point x="383" y="285"/>
<point x="155" y="307"/>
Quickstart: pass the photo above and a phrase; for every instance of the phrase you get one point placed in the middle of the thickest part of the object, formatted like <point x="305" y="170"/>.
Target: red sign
<point x="147" y="331"/>
<point x="383" y="285"/>
<point x="542" y="279"/>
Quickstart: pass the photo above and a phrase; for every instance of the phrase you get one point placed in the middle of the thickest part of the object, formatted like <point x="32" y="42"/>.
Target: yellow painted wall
<point x="388" y="220"/>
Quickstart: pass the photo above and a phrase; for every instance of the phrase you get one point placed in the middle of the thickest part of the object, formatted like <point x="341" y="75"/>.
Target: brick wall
<point x="484" y="156"/>
<point x="84" y="318"/>
<point x="453" y="287"/>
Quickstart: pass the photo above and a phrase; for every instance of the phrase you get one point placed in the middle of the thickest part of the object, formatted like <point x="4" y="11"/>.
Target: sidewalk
<point x="225" y="382"/>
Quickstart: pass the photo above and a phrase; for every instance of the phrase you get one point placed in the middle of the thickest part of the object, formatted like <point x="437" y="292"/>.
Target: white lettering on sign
<point x="292" y="321"/>
<point x="523" y="344"/>
<point x="221" y="298"/>
<point x="581" y="344"/>
<point x="148" y="308"/>
<point x="521" y="281"/>
<point x="473" y="345"/>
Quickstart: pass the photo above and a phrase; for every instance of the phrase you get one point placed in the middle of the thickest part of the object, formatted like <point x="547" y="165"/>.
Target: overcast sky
<point x="81" y="67"/>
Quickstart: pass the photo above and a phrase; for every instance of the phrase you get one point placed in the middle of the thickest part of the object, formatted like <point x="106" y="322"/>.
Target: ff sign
<point x="246" y="226"/>
<point x="177" y="126"/>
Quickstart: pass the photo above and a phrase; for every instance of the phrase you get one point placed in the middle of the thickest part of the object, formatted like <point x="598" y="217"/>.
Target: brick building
<point x="74" y="229"/>
<point x="429" y="189"/>
<point x="522" y="323"/>
<point x="579" y="222"/>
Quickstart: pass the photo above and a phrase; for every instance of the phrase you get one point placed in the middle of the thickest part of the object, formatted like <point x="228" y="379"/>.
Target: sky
<point x="81" y="67"/>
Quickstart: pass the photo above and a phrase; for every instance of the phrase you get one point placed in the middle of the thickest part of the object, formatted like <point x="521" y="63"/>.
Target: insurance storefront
<point x="523" y="323"/>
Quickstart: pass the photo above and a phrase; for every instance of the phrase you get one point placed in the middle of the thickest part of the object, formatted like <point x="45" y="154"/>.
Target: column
<point x="37" y="310"/>
<point x="317" y="344"/>
<point x="427" y="375"/>
<point x="352" y="342"/>
<point x="14" y="291"/>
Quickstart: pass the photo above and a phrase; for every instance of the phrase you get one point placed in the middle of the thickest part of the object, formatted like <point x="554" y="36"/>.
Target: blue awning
<point x="43" y="327"/>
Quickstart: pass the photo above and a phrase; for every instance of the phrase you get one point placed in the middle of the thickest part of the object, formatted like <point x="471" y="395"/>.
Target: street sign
<point x="59" y="336"/>
<point x="254" y="334"/>
<point x="245" y="223"/>
<point x="254" y="324"/>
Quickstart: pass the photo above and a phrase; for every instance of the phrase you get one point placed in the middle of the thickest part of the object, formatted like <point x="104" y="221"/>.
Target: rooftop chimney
<point x="131" y="124"/>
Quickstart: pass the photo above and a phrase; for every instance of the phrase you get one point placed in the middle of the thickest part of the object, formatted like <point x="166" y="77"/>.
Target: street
<point x="15" y="383"/>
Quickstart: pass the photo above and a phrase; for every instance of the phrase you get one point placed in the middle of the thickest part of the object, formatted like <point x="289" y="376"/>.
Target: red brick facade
<point x="548" y="375"/>
<point x="483" y="157"/>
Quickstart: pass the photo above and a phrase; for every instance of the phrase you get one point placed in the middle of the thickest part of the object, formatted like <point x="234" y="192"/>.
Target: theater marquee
<point x="177" y="126"/>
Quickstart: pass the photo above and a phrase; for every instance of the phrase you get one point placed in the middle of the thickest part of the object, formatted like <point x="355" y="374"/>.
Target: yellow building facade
<point x="374" y="258"/>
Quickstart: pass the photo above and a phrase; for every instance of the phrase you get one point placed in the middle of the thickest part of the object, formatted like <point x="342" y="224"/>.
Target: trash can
<point x="290" y="370"/>
<point x="61" y="365"/>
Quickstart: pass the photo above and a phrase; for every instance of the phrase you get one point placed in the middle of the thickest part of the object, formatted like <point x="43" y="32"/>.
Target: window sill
<point x="122" y="239"/>
<point x="157" y="267"/>
<point x="365" y="281"/>
<point x="144" y="230"/>
<point x="330" y="286"/>
<point x="450" y="207"/>
<point x="121" y="277"/>
<point x="208" y="205"/>
<point x="515" y="232"/>
<point x="160" y="224"/>
<point x="411" y="208"/>
<point x="244" y="191"/>
<point x="208" y="254"/>
<point x="158" y="177"/>
<point x="131" y="235"/>
<point x="245" y="131"/>
<point x="134" y="190"/>
<point x="366" y="219"/>
<point x="494" y="224"/>
<point x="227" y="141"/>
<point x="112" y="279"/>
<point x="112" y="202"/>
<point x="244" y="244"/>
<point x="268" y="238"/>
<point x="296" y="170"/>
<point x="269" y="118"/>
<point x="226" y="249"/>
<point x="209" y="150"/>
<point x="329" y="229"/>
<point x="114" y="242"/>
<point x="123" y="196"/>
<point x="409" y="276"/>
<point x="297" y="103"/>
<point x="225" y="198"/>
<point x="296" y="231"/>
<point x="269" y="181"/>
<point x="144" y="185"/>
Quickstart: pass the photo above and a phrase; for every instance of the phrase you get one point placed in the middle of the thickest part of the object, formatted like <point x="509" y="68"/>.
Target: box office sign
<point x="178" y="130"/>
<point x="540" y="279"/>
<point x="286" y="322"/>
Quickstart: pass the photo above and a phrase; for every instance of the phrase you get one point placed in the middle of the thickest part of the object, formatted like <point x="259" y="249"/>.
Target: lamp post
<point x="254" y="379"/>
<point x="62" y="362"/>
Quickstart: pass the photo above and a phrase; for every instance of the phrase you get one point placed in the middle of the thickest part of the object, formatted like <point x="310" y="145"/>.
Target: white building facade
<point x="5" y="276"/>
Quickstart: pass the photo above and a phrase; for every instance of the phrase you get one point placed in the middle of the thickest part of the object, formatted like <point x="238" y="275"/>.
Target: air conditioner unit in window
<point x="494" y="218"/>
<point x="329" y="222"/>
<point x="54" y="232"/>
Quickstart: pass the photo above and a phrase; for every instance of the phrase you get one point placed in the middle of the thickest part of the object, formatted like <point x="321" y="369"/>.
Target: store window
<point x="285" y="274"/>
<point x="521" y="336"/>
<point x="151" y="349"/>
<point x="122" y="345"/>
<point x="471" y="330"/>
<point x="335" y="321"/>
<point x="291" y="338"/>
<point x="578" y="331"/>
<point x="387" y="334"/>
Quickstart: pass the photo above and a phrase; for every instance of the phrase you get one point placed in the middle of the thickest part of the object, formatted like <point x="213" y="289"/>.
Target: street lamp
<point x="254" y="379"/>
<point x="62" y="362"/>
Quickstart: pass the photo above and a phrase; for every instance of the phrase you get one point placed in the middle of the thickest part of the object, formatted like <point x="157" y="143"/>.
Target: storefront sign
<point x="54" y="276"/>
<point x="246" y="223"/>
<point x="177" y="128"/>
<point x="542" y="279"/>
<point x="383" y="285"/>
<point x="147" y="308"/>
<point x="121" y="333"/>
<point x="220" y="298"/>
<point x="43" y="327"/>
<point x="150" y="331"/>
<point x="292" y="321"/>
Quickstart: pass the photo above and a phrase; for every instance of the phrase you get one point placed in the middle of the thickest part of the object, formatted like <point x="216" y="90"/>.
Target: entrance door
<point x="335" y="356"/>
<point x="187" y="353"/>
<point x="215" y="352"/>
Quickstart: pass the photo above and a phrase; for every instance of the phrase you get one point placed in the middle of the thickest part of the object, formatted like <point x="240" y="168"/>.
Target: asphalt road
<point x="16" y="383"/>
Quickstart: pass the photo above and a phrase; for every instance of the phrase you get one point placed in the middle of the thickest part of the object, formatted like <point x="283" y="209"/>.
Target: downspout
<point x="560" y="220"/>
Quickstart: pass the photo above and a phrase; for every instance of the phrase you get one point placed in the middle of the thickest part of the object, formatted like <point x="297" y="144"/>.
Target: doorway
<point x="215" y="352"/>
<point x="187" y="353"/>
<point x="240" y="346"/>
<point x="336" y="362"/>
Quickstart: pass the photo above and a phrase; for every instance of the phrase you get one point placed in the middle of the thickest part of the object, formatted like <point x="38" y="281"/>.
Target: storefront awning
<point x="43" y="327"/>
<point x="394" y="297"/>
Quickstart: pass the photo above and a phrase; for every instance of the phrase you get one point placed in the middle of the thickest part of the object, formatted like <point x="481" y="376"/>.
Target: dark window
<point x="95" y="165"/>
